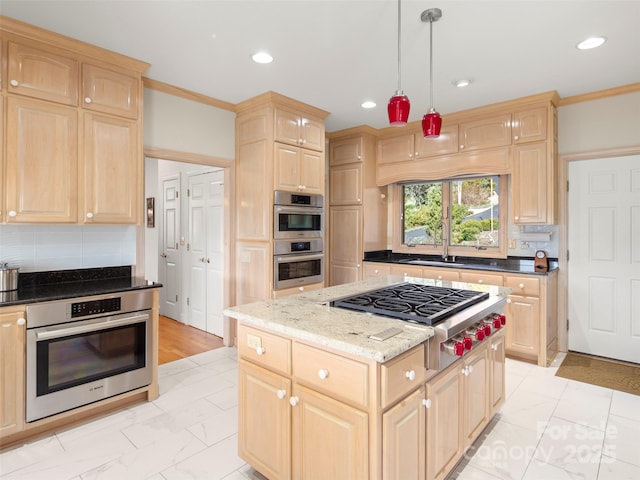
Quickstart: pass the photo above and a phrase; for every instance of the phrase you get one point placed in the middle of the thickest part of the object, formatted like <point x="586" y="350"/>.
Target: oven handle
<point x="67" y="332"/>
<point x="298" y="258"/>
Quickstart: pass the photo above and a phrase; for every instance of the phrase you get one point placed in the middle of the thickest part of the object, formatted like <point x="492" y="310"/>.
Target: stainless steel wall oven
<point x="297" y="263"/>
<point x="86" y="349"/>
<point x="297" y="215"/>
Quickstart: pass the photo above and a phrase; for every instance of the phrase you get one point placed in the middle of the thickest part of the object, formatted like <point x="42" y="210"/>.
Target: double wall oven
<point x="86" y="349"/>
<point x="298" y="248"/>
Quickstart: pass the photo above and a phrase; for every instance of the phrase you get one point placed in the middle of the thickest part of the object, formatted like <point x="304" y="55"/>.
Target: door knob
<point x="163" y="255"/>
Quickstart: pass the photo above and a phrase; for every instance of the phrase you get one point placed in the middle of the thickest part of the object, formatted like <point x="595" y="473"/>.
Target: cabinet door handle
<point x="87" y="100"/>
<point x="21" y="321"/>
<point x="426" y="402"/>
<point x="410" y="375"/>
<point x="13" y="213"/>
<point x="516" y="137"/>
<point x="323" y="373"/>
<point x="89" y="215"/>
<point x="494" y="347"/>
<point x="281" y="394"/>
<point x="260" y="350"/>
<point x="294" y="401"/>
<point x="14" y="83"/>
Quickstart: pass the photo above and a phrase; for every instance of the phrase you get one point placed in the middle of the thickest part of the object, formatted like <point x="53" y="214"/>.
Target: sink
<point x="433" y="263"/>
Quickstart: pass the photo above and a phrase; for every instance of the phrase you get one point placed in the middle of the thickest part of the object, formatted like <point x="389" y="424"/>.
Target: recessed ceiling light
<point x="463" y="82"/>
<point x="262" y="57"/>
<point x="368" y="104"/>
<point x="591" y="42"/>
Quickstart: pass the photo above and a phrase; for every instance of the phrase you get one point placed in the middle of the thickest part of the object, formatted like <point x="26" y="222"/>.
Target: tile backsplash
<point x="36" y="248"/>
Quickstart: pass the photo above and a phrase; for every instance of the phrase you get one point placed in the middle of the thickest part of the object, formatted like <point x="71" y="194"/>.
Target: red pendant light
<point x="432" y="121"/>
<point x="399" y="105"/>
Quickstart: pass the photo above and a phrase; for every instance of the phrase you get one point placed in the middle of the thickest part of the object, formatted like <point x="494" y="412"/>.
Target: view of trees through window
<point x="473" y="205"/>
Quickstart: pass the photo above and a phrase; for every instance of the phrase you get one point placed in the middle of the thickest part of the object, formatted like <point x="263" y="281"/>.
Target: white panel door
<point x="197" y="252"/>
<point x="604" y="257"/>
<point x="206" y="251"/>
<point x="169" y="264"/>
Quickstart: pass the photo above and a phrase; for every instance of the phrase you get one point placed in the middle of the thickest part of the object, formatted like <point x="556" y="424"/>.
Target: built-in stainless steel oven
<point x="297" y="263"/>
<point x="297" y="215"/>
<point x="86" y="349"/>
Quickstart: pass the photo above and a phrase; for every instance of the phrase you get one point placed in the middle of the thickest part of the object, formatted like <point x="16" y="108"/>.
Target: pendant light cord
<point x="431" y="62"/>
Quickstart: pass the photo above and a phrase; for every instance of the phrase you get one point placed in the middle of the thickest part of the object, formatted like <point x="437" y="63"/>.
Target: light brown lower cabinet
<point x="12" y="368"/>
<point x="460" y="403"/>
<point x="403" y="439"/>
<point x="329" y="437"/>
<point x="308" y="413"/>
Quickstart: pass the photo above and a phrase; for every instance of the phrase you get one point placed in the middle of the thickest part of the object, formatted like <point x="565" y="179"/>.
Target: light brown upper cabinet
<point x="109" y="91"/>
<point x="70" y="159"/>
<point x="42" y="73"/>
<point x="302" y="131"/>
<point x="410" y="146"/>
<point x="298" y="169"/>
<point x="489" y="132"/>
<point x="530" y="125"/>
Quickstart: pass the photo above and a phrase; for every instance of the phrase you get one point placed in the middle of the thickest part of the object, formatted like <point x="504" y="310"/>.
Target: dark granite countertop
<point x="523" y="265"/>
<point x="57" y="285"/>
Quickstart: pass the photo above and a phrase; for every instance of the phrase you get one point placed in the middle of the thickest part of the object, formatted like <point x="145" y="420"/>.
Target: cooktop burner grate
<point x="413" y="302"/>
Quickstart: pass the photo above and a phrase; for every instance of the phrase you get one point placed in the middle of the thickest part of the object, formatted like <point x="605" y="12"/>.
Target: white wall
<point x="600" y="124"/>
<point x="175" y="123"/>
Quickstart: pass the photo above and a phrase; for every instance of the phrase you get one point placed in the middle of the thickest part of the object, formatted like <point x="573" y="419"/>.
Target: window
<point x="453" y="217"/>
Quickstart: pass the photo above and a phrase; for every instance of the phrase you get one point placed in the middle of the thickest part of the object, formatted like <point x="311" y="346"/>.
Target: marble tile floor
<point x="549" y="428"/>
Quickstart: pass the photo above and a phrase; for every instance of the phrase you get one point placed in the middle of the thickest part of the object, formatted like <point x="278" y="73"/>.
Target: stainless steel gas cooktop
<point x="412" y="302"/>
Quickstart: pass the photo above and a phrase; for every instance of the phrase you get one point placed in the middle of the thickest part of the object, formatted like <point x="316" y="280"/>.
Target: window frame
<point x="397" y="203"/>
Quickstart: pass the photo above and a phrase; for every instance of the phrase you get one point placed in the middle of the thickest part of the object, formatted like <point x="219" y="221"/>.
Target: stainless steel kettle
<point x="8" y="278"/>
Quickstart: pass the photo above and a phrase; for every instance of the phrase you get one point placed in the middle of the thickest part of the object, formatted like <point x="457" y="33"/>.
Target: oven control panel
<point x="93" y="307"/>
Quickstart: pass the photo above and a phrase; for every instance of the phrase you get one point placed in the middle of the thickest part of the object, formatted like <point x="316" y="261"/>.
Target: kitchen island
<point x="318" y="398"/>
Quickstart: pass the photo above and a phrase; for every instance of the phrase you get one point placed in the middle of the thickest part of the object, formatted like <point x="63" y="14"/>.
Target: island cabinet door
<point x="330" y="439"/>
<point x="403" y="439"/>
<point x="444" y="422"/>
<point x="264" y="421"/>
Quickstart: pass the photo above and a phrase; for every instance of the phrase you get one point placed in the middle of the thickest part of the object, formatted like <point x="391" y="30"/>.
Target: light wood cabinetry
<point x="375" y="269"/>
<point x="403" y="439"/>
<point x="42" y="72"/>
<point x="12" y="369"/>
<point x="297" y="169"/>
<point x="110" y="143"/>
<point x="357" y="206"/>
<point x="343" y="438"/>
<point x="298" y="129"/>
<point x="279" y="146"/>
<point x="460" y="404"/>
<point x="83" y="155"/>
<point x="264" y="428"/>
<point x="330" y="415"/>
<point x="518" y="137"/>
<point x="109" y="91"/>
<point x="41" y="162"/>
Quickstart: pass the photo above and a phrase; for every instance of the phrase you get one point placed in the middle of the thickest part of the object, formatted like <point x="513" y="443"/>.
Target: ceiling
<point x="336" y="54"/>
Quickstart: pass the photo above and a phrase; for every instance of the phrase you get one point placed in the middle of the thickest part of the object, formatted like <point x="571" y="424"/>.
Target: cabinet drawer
<point x="375" y="269"/>
<point x="401" y="375"/>
<point x="486" y="278"/>
<point x="527" y="286"/>
<point x="441" y="274"/>
<point x="264" y="349"/>
<point x="338" y="376"/>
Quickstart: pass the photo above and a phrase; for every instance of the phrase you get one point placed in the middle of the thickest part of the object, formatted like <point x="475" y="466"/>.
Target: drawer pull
<point x="521" y="285"/>
<point x="480" y="281"/>
<point x="293" y="401"/>
<point x="323" y="373"/>
<point x="410" y="375"/>
<point x="426" y="402"/>
<point x="260" y="350"/>
<point x="281" y="394"/>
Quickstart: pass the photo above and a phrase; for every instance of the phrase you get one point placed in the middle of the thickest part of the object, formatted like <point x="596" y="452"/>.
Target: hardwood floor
<point x="177" y="340"/>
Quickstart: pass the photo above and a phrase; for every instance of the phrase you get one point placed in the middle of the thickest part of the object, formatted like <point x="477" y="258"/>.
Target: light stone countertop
<point x="308" y="317"/>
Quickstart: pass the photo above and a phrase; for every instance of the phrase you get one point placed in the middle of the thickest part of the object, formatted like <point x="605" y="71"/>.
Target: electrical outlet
<point x="254" y="341"/>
